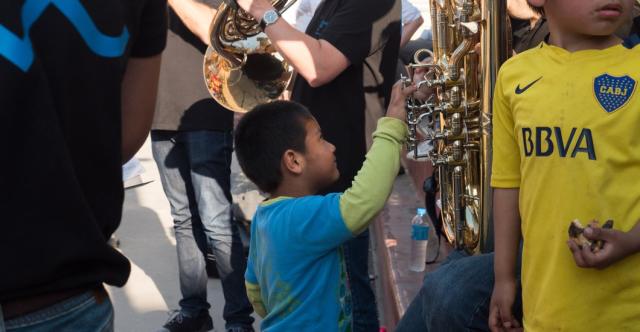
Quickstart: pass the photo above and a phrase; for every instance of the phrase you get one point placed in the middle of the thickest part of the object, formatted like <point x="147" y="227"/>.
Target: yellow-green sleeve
<point x="253" y="292"/>
<point x="372" y="185"/>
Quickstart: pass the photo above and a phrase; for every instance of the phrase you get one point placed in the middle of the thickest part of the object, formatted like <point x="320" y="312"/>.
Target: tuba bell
<point x="455" y="122"/>
<point x="241" y="67"/>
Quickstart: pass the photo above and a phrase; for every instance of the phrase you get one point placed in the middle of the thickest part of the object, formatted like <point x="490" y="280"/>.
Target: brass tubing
<point x="433" y="11"/>
<point x="494" y="53"/>
<point x="442" y="181"/>
<point x="457" y="56"/>
<point x="457" y="206"/>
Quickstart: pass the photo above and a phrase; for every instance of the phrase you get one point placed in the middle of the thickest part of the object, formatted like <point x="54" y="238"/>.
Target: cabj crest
<point x="613" y="92"/>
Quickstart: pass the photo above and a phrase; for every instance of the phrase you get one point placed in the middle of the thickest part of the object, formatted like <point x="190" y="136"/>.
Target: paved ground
<point x="146" y="238"/>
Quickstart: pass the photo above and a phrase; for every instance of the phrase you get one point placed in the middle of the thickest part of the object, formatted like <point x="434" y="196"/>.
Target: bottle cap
<point x="421" y="211"/>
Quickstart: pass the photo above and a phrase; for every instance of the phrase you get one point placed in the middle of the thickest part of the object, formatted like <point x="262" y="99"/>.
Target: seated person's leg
<point x="455" y="297"/>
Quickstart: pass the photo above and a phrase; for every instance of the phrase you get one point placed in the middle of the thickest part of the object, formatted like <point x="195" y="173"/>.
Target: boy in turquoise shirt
<point x="295" y="276"/>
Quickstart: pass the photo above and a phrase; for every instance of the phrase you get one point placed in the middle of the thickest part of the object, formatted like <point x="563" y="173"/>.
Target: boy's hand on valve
<point x="397" y="105"/>
<point x="419" y="75"/>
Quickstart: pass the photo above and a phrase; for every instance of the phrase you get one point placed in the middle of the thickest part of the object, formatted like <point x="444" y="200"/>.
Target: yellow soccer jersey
<point x="567" y="133"/>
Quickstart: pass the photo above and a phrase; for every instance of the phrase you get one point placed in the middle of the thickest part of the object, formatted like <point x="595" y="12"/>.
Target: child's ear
<point x="293" y="161"/>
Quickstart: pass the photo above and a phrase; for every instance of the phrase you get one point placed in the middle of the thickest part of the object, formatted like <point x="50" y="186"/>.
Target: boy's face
<point x="320" y="162"/>
<point x="587" y="17"/>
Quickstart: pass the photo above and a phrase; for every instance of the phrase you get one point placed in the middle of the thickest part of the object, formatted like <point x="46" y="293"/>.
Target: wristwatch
<point x="269" y="17"/>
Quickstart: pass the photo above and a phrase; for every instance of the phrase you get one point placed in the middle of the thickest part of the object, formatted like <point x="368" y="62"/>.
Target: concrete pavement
<point x="147" y="239"/>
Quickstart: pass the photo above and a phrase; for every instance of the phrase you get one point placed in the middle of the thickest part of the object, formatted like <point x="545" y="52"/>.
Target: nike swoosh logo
<point x="519" y="91"/>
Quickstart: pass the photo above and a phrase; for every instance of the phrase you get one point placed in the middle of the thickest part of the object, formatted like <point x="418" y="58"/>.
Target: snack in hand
<point x="576" y="231"/>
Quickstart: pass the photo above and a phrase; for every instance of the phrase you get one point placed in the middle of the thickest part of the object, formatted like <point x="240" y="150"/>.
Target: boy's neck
<point x="575" y="42"/>
<point x="292" y="189"/>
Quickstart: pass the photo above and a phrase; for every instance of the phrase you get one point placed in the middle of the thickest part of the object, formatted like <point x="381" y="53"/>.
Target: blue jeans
<point x="86" y="312"/>
<point x="365" y="311"/>
<point x="195" y="169"/>
<point x="456" y="297"/>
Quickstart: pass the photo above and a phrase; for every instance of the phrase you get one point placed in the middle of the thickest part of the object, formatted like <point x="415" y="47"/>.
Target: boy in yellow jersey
<point x="566" y="124"/>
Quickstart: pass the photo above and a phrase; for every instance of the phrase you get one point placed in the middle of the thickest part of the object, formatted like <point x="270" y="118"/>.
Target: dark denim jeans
<point x="456" y="297"/>
<point x="365" y="310"/>
<point x="195" y="168"/>
<point x="81" y="313"/>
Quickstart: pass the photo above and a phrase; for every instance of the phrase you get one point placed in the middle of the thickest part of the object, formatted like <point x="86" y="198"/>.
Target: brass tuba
<point x="455" y="122"/>
<point x="241" y="67"/>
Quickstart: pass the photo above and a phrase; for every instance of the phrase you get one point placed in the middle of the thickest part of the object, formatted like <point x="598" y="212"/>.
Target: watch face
<point x="270" y="17"/>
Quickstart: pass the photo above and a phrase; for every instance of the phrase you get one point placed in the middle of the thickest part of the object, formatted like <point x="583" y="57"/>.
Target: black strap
<point x="373" y="88"/>
<point x="430" y="187"/>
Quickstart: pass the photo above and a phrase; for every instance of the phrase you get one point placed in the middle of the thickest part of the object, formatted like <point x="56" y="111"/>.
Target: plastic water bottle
<point x="419" y="240"/>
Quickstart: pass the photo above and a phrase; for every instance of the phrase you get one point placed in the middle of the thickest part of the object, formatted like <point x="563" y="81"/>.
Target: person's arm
<point x="506" y="220"/>
<point x="411" y="21"/>
<point x="409" y="29"/>
<point x="317" y="61"/>
<point x="617" y="246"/>
<point x="196" y="16"/>
<point x="140" y="81"/>
<point x="505" y="179"/>
<point x="520" y="9"/>
<point x="420" y="74"/>
<point x="139" y="91"/>
<point x="371" y="187"/>
<point x="253" y="293"/>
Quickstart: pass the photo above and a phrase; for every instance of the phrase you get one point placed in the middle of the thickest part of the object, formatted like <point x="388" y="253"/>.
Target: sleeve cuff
<point x="251" y="286"/>
<point x="410" y="17"/>
<point x="393" y="128"/>
<point x="505" y="183"/>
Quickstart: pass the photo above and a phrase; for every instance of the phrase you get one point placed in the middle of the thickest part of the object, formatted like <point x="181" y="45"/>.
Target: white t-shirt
<point x="306" y="9"/>
<point x="409" y="12"/>
<point x="305" y="12"/>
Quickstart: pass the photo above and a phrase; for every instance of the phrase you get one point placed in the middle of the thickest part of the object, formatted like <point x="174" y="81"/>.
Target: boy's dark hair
<point x="264" y="134"/>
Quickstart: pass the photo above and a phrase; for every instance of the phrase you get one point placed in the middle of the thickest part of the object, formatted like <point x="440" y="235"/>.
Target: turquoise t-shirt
<point x="303" y="268"/>
<point x="296" y="278"/>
